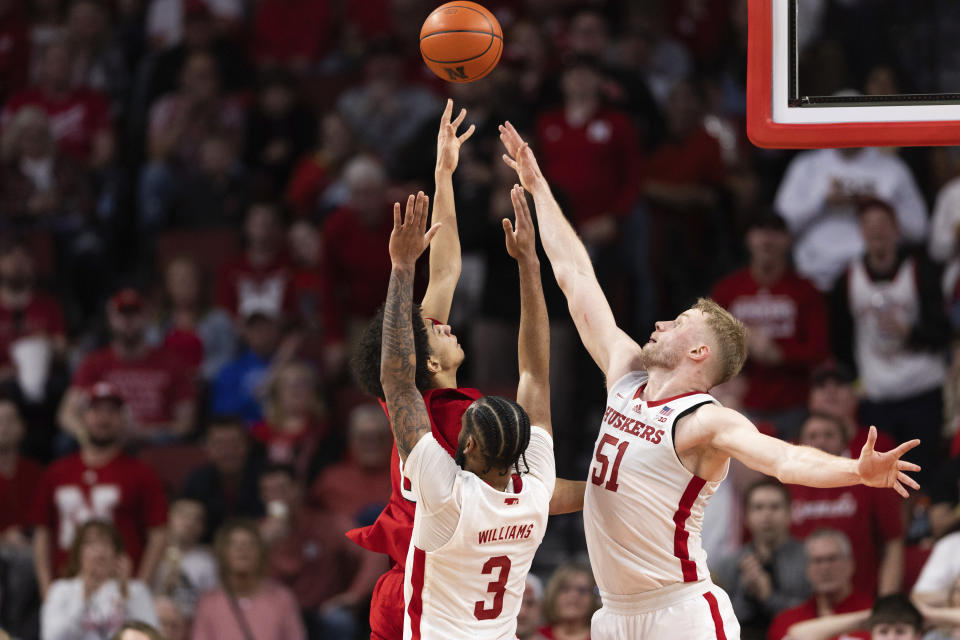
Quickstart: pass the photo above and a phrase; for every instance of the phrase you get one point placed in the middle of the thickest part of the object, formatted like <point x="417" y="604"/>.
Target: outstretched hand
<point x="408" y="240"/>
<point x="521" y="240"/>
<point x="519" y="157"/>
<point x="448" y="142"/>
<point x="886" y="469"/>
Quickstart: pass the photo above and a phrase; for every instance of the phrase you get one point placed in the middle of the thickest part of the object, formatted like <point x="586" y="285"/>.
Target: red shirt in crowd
<point x="151" y="385"/>
<point x="315" y="560"/>
<point x="793" y="313"/>
<point x="391" y="532"/>
<point x="695" y="159"/>
<point x="42" y="316"/>
<point x="75" y="118"/>
<point x="239" y="280"/>
<point x="310" y="179"/>
<point x="869" y="517"/>
<point x="594" y="164"/>
<point x="283" y="447"/>
<point x="856" y="601"/>
<point x="290" y="30"/>
<point x="16" y="491"/>
<point x="124" y="491"/>
<point x="14" y="53"/>
<point x="357" y="261"/>
<point x="348" y="489"/>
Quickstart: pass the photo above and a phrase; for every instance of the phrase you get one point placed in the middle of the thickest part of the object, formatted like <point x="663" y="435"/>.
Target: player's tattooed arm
<point x="398" y="359"/>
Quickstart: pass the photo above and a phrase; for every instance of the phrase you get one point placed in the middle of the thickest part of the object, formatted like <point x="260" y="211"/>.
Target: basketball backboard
<point x="779" y="116"/>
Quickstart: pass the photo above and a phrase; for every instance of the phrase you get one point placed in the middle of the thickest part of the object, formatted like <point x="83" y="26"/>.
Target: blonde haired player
<point x="478" y="521"/>
<point x="665" y="444"/>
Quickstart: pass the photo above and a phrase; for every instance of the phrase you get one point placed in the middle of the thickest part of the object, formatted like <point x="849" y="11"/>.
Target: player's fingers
<point x="410" y="213"/>
<point x="466" y="134"/>
<point x="906" y="446"/>
<point x="871" y="438"/>
<point x="520" y="207"/>
<point x="507" y="228"/>
<point x="432" y="232"/>
<point x="523" y="203"/>
<point x="447" y="110"/>
<point x="459" y="119"/>
<point x="418" y="219"/>
<point x="907" y="480"/>
<point x="510" y="162"/>
<point x="899" y="489"/>
<point x="396" y="215"/>
<point x="903" y="465"/>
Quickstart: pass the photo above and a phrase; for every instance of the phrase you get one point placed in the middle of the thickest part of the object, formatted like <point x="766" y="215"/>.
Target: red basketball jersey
<point x="391" y="532"/>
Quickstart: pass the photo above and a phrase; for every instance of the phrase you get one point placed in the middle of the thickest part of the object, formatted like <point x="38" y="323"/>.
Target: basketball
<point x="461" y="41"/>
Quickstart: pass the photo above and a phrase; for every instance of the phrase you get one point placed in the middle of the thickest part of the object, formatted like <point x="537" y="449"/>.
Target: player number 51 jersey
<point x="643" y="510"/>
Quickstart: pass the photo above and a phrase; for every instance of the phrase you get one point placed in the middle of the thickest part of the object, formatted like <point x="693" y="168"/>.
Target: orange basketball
<point x="461" y="41"/>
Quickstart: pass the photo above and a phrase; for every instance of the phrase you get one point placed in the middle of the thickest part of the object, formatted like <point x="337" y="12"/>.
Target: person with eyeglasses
<point x="569" y="602"/>
<point x="830" y="573"/>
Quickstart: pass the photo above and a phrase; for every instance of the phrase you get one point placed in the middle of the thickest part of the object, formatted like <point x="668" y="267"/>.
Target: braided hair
<point x="502" y="428"/>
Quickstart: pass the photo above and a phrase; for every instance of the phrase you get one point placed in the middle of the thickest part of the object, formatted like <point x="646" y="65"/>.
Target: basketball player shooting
<point x="478" y="521"/>
<point x="665" y="444"/>
<point x="439" y="357"/>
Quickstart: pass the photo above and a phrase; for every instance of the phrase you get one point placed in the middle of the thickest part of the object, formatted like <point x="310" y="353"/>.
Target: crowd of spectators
<point x="195" y="201"/>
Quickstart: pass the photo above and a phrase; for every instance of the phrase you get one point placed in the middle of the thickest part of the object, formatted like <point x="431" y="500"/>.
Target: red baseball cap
<point x="105" y="391"/>
<point x="126" y="300"/>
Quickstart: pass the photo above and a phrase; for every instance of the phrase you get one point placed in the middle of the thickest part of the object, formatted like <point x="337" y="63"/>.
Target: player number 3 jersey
<point x="472" y="545"/>
<point x="643" y="511"/>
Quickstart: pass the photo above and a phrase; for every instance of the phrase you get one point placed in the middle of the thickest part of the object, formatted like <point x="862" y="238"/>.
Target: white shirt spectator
<point x="942" y="568"/>
<point x="827" y="236"/>
<point x="68" y="615"/>
<point x="165" y="18"/>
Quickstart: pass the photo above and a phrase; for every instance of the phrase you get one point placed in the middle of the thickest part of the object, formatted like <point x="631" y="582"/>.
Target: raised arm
<point x="735" y="436"/>
<point x="445" y="248"/>
<point x="533" y="350"/>
<point x="398" y="359"/>
<point x="612" y="349"/>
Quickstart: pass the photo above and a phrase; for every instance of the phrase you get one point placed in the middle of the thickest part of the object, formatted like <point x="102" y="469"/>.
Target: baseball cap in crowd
<point x="105" y="391"/>
<point x="831" y="371"/>
<point x="126" y="301"/>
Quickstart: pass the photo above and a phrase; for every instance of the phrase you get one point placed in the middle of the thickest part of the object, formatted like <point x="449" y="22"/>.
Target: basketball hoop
<point x="779" y="117"/>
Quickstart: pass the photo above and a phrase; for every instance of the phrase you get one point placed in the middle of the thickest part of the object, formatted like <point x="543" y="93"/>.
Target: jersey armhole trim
<point x="673" y="435"/>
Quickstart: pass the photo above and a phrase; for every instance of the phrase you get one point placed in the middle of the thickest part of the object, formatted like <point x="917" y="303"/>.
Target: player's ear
<point x="433" y="365"/>
<point x="700" y="353"/>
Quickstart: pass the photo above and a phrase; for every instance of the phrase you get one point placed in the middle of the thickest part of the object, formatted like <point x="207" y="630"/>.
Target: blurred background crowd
<point x="195" y="201"/>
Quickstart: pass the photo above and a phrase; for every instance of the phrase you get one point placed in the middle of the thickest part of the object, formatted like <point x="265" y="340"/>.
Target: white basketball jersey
<point x="472" y="585"/>
<point x="643" y="511"/>
<point x="889" y="368"/>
